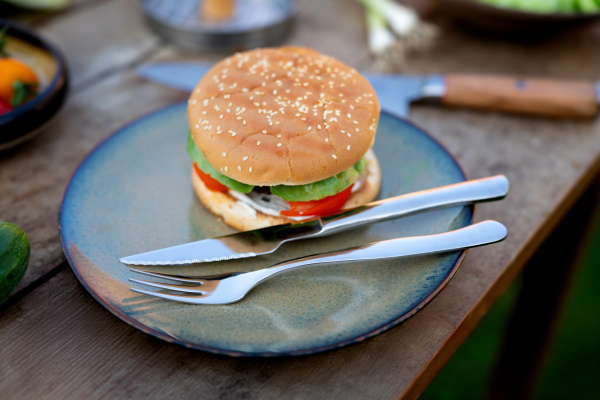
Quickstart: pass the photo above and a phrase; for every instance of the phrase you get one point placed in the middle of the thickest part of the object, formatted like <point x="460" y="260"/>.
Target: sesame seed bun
<point x="236" y="215"/>
<point x="282" y="116"/>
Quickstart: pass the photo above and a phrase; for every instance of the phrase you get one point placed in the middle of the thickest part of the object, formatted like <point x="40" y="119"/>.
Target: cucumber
<point x="14" y="258"/>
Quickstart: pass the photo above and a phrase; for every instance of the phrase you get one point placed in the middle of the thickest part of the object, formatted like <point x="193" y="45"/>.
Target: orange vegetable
<point x="18" y="82"/>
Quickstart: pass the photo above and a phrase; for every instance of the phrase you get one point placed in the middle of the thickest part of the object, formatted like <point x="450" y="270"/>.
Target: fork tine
<point x="189" y="298"/>
<point x="177" y="278"/>
<point x="177" y="288"/>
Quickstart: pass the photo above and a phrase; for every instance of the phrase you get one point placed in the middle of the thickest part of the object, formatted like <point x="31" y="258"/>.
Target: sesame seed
<point x="327" y="139"/>
<point x="349" y="116"/>
<point x="278" y="144"/>
<point x="197" y="126"/>
<point x="349" y="135"/>
<point x="245" y="158"/>
<point x="226" y="169"/>
<point x="334" y="156"/>
<point x="264" y="132"/>
<point x="233" y="133"/>
<point x="224" y="154"/>
<point x="239" y="168"/>
<point x="278" y="135"/>
<point x="355" y="122"/>
<point x="348" y="148"/>
<point x="258" y="143"/>
<point x="319" y="126"/>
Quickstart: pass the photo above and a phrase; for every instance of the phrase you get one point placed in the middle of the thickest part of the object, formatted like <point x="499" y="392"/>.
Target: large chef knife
<point x="574" y="99"/>
<point x="267" y="240"/>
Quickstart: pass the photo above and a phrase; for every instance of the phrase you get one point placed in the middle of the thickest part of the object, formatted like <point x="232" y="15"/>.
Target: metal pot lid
<point x="253" y="23"/>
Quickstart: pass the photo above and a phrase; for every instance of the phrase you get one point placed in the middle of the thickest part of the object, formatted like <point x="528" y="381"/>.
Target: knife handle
<point x="473" y="191"/>
<point x="544" y="97"/>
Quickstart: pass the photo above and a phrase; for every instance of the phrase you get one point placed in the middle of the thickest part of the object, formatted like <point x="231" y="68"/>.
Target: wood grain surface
<point x="57" y="342"/>
<point x="533" y="96"/>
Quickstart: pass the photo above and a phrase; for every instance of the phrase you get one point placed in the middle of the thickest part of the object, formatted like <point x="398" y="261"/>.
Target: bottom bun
<point x="236" y="215"/>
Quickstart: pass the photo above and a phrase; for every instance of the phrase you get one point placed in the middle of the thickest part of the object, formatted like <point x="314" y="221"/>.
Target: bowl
<point x="254" y="24"/>
<point x="506" y="21"/>
<point x="26" y="121"/>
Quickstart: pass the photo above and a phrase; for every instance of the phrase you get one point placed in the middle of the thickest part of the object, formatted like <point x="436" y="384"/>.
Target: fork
<point x="233" y="286"/>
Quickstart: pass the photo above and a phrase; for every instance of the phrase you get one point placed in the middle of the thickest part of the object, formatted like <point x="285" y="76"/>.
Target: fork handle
<point x="471" y="236"/>
<point x="473" y="191"/>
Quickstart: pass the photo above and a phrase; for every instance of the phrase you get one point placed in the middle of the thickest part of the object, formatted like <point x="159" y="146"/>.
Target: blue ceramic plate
<point x="133" y="193"/>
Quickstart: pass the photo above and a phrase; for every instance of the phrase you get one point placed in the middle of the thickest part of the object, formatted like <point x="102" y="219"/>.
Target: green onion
<point x="380" y="37"/>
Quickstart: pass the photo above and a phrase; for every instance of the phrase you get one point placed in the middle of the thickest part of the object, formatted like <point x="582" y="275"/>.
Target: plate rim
<point x="261" y="354"/>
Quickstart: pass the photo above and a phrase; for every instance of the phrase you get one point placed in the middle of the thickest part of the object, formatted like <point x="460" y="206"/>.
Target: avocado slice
<point x="310" y="191"/>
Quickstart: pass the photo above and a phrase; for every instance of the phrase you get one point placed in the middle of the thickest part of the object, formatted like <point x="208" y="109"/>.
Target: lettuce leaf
<point x="311" y="191"/>
<point x="197" y="156"/>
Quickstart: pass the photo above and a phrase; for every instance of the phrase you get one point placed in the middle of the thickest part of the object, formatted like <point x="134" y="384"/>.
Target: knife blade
<point x="267" y="240"/>
<point x="555" y="98"/>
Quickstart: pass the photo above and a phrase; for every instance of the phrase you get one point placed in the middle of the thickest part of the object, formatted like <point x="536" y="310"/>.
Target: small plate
<point x="26" y="121"/>
<point x="133" y="193"/>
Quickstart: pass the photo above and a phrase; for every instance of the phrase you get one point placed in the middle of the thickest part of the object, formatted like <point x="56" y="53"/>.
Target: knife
<point x="267" y="240"/>
<point x="555" y="98"/>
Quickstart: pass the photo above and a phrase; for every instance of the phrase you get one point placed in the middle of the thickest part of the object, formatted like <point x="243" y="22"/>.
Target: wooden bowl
<point x="506" y="21"/>
<point x="26" y="121"/>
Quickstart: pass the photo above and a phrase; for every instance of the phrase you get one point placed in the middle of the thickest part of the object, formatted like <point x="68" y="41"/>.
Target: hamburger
<point x="282" y="134"/>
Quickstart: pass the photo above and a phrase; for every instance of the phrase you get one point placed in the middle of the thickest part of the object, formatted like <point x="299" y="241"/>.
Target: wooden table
<point x="57" y="342"/>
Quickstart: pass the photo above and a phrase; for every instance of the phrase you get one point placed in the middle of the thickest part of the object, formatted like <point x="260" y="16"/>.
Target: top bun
<point x="282" y="116"/>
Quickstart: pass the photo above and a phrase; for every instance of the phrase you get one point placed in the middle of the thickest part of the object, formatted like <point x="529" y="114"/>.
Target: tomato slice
<point x="327" y="206"/>
<point x="4" y="107"/>
<point x="209" y="181"/>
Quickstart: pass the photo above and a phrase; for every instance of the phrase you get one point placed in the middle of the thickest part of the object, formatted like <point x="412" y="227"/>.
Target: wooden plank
<point x="545" y="282"/>
<point x="100" y="39"/>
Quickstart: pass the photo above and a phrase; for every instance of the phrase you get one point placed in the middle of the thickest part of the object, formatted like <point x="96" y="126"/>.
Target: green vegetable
<point x="40" y="4"/>
<point x="14" y="258"/>
<point x="197" y="156"/>
<point x="3" y="36"/>
<point x="311" y="191"/>
<point x="549" y="6"/>
<point x="321" y="189"/>
<point x="22" y="93"/>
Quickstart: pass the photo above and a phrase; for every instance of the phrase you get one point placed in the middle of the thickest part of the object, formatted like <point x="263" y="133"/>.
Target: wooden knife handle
<point x="527" y="96"/>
